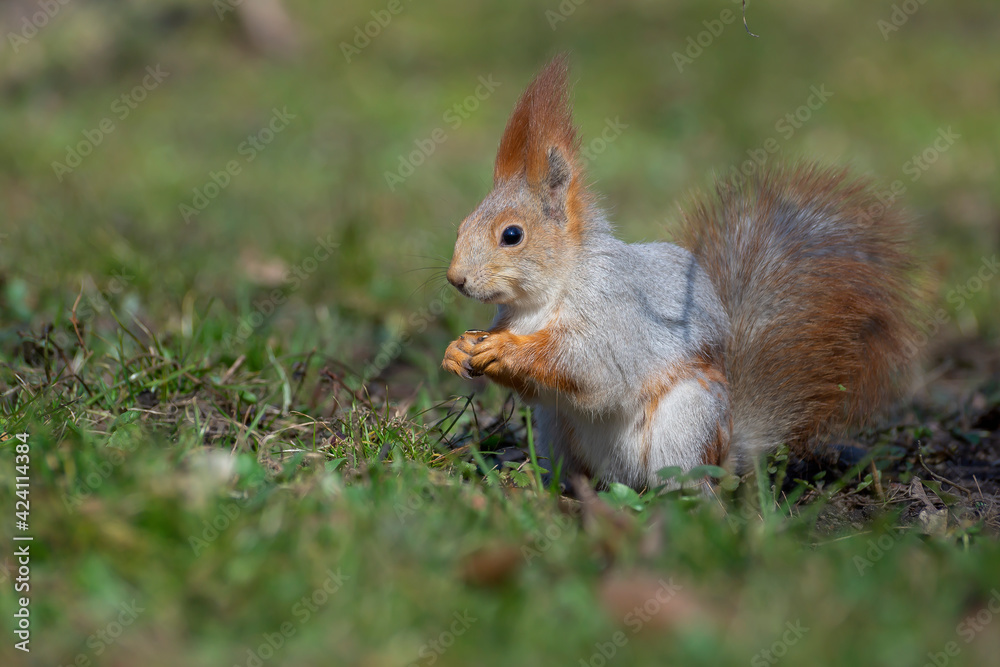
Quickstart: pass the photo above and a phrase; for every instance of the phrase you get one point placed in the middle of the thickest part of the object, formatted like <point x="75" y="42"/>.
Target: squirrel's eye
<point x="511" y="236"/>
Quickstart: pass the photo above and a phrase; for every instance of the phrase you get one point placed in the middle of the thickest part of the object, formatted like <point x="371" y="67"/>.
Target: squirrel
<point x="786" y="312"/>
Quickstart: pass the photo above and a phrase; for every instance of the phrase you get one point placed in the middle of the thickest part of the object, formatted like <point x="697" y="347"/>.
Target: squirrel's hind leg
<point x="690" y="425"/>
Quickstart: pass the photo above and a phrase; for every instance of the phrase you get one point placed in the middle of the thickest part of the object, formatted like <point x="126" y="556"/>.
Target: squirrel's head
<point x="519" y="244"/>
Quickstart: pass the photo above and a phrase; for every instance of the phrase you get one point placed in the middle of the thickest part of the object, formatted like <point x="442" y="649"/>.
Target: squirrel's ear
<point x="539" y="143"/>
<point x="554" y="189"/>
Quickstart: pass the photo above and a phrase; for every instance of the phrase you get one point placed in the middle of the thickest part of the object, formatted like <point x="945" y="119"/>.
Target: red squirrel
<point x="786" y="312"/>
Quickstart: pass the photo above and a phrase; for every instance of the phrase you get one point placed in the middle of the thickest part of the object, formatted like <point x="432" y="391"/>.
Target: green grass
<point x="239" y="425"/>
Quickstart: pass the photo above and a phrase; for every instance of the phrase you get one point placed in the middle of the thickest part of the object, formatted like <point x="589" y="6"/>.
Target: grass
<point x="242" y="450"/>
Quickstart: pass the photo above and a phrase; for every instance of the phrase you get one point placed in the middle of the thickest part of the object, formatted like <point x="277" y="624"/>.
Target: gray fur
<point x="663" y="328"/>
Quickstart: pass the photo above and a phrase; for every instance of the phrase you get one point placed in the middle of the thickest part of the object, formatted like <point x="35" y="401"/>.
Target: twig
<point x="72" y="318"/>
<point x="227" y="376"/>
<point x="745" y="20"/>
<point x="877" y="479"/>
<point x="304" y="373"/>
<point x="920" y="457"/>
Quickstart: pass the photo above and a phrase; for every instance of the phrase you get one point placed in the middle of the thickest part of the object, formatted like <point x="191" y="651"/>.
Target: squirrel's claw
<point x="458" y="356"/>
<point x="487" y="352"/>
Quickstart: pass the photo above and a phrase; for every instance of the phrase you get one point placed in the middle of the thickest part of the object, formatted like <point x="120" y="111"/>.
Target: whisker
<point x="434" y="258"/>
<point x="427" y="268"/>
<point x="425" y="283"/>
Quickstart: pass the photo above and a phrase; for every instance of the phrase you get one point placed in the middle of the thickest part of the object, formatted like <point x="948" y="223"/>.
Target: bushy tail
<point x="819" y="283"/>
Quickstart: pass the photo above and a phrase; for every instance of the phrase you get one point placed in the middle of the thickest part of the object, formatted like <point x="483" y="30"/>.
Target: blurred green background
<point x="893" y="92"/>
<point x="325" y="171"/>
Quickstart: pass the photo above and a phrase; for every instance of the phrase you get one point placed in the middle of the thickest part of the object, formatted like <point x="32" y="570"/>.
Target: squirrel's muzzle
<point x="457" y="279"/>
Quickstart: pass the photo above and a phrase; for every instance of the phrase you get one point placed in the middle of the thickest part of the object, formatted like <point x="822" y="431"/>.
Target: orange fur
<point x="705" y="367"/>
<point x="717" y="451"/>
<point x="523" y="363"/>
<point x="821" y="317"/>
<point x="542" y="122"/>
<point x="541" y="119"/>
<point x="652" y="393"/>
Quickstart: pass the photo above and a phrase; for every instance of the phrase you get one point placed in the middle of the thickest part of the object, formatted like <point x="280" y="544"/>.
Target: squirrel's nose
<point x="456" y="279"/>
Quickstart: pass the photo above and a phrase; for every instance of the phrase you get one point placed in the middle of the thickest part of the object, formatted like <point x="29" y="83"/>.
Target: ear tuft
<point x="541" y="120"/>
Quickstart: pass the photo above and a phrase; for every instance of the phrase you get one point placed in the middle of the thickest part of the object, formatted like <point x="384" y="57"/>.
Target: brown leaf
<point x="491" y="565"/>
<point x="647" y="601"/>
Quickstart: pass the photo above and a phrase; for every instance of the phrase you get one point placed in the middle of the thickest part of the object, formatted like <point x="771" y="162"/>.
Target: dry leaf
<point x="491" y="565"/>
<point x="649" y="601"/>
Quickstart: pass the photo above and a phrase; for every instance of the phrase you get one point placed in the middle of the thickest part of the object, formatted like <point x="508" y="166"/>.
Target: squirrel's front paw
<point x="458" y="356"/>
<point x="489" y="352"/>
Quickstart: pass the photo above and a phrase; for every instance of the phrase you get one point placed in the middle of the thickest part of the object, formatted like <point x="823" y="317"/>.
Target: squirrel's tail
<point x="818" y="280"/>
